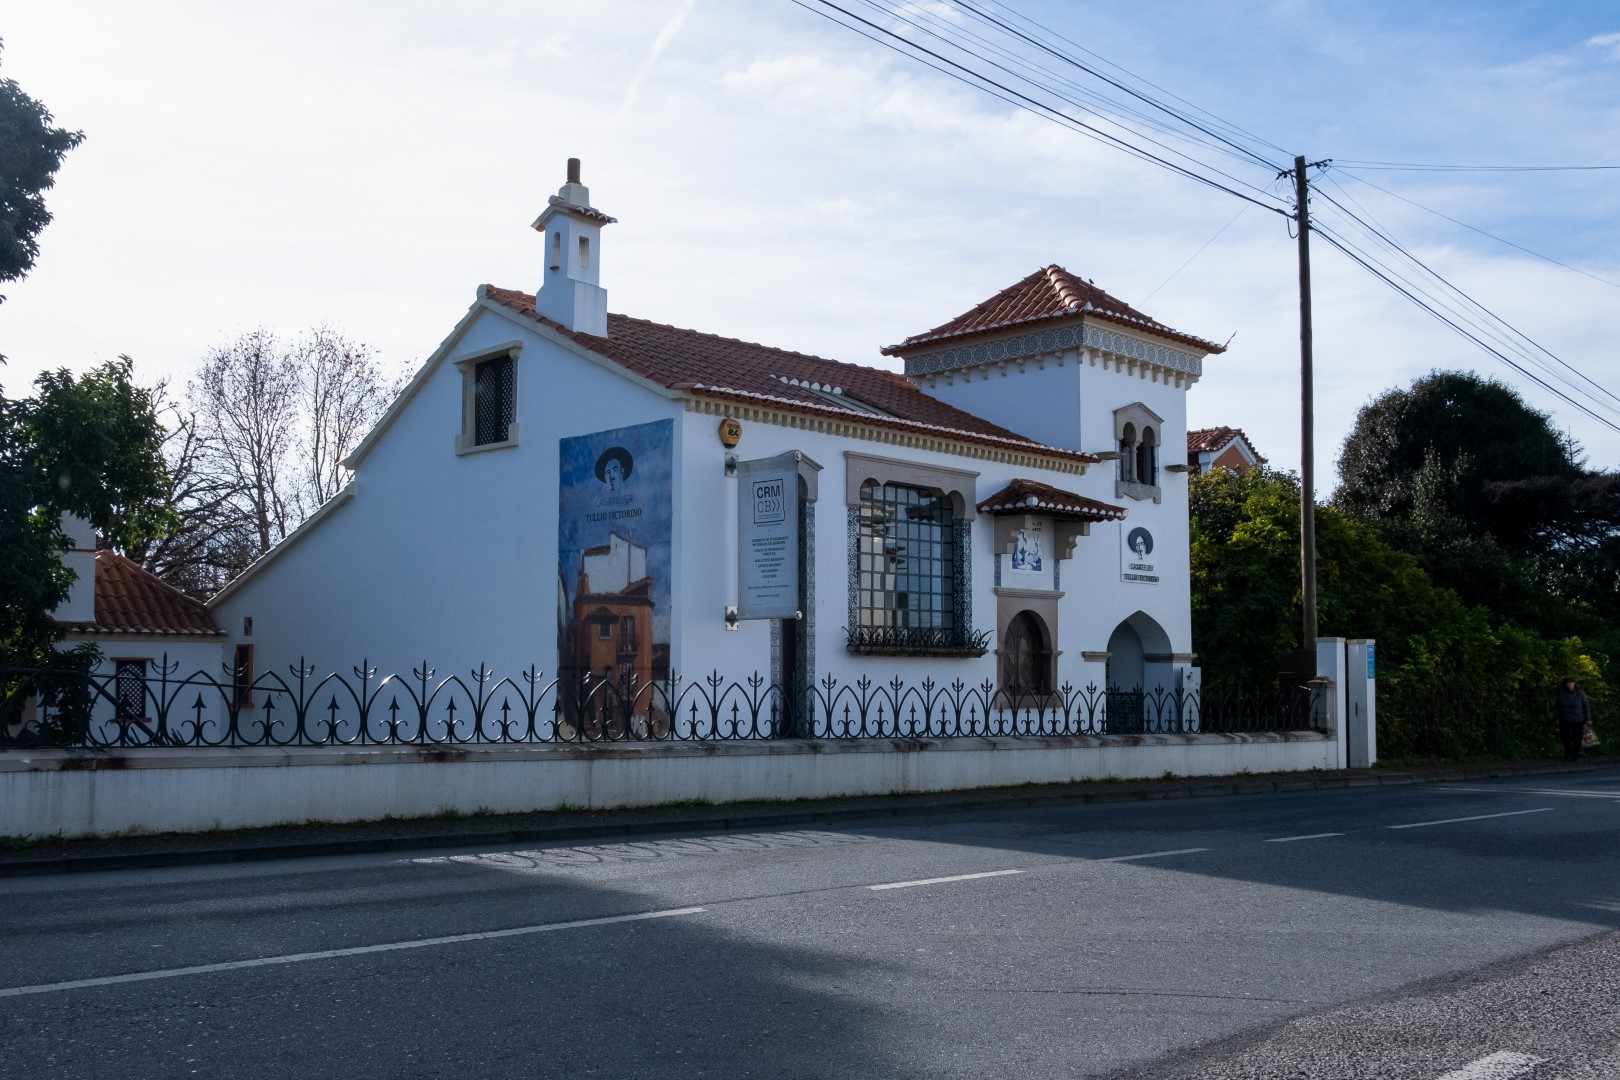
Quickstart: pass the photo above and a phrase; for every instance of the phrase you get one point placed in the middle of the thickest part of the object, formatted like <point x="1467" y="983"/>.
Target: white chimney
<point x="571" y="293"/>
<point x="80" y="557"/>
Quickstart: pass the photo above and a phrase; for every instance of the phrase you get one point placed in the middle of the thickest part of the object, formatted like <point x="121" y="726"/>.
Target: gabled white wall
<point x="438" y="556"/>
<point x="453" y="558"/>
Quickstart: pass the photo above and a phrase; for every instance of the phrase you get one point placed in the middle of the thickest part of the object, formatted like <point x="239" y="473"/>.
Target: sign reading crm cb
<point x="770" y="506"/>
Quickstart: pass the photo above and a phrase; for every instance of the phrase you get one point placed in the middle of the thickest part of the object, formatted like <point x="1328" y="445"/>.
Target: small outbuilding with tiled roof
<point x="1221" y="448"/>
<point x="607" y="497"/>
<point x="144" y="627"/>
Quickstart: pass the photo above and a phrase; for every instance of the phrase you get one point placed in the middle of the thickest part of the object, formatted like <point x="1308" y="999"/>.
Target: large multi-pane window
<point x="906" y="559"/>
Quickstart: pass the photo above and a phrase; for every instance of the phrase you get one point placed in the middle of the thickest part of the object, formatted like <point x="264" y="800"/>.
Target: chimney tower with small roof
<point x="571" y="292"/>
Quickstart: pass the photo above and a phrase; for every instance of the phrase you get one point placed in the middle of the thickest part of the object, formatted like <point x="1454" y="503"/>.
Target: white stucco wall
<point x="79" y="794"/>
<point x="452" y="558"/>
<point x="438" y="556"/>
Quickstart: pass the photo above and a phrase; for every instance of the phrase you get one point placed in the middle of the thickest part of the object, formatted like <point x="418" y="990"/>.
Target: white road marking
<point x="328" y="954"/>
<point x="1307" y="836"/>
<point x="1476" y="817"/>
<point x="942" y="880"/>
<point x="1154" y="854"/>
<point x="1612" y="795"/>
<point x="1502" y="1065"/>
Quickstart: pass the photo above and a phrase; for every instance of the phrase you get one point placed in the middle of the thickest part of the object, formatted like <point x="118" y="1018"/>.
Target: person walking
<point x="1573" y="711"/>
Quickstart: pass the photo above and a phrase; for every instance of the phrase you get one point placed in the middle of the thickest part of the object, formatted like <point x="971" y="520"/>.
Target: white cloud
<point x="1610" y="42"/>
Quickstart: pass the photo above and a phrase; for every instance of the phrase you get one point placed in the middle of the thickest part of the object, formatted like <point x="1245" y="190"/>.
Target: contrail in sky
<point x="660" y="43"/>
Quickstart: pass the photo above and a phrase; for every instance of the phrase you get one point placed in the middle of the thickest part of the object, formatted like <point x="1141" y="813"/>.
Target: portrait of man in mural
<point x="614" y="561"/>
<point x="1136" y="563"/>
<point x="613" y="468"/>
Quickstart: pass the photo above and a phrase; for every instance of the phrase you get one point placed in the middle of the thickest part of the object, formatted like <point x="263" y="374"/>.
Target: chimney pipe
<point x="573" y="170"/>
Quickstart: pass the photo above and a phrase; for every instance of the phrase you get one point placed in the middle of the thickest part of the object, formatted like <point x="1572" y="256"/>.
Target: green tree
<point x="31" y="150"/>
<point x="1454" y="680"/>
<point x="1492" y="461"/>
<point x="90" y="446"/>
<point x="1495" y="502"/>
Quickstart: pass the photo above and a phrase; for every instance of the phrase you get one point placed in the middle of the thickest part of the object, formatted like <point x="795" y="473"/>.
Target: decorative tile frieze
<point x="1040" y="342"/>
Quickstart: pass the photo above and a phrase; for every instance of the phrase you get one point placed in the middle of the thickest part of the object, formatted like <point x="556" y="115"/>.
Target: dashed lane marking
<point x="1307" y="836"/>
<point x="1154" y="854"/>
<point x="1476" y="817"/>
<point x="942" y="880"/>
<point x="1502" y="1065"/>
<point x="330" y="954"/>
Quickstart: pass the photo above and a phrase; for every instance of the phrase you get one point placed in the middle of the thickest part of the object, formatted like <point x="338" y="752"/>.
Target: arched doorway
<point x="1137" y="653"/>
<point x="1026" y="656"/>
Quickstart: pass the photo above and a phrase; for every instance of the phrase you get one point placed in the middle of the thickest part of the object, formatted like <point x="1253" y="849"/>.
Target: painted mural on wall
<point x="614" y="561"/>
<point x="1136" y="556"/>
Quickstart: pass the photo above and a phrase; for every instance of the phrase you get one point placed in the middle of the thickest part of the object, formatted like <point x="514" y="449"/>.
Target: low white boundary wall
<point x="89" y="792"/>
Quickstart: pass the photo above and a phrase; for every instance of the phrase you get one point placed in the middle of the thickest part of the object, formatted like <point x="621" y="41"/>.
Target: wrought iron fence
<point x="308" y="708"/>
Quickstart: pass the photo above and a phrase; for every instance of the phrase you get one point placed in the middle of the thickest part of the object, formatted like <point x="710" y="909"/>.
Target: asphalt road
<point x="1446" y="931"/>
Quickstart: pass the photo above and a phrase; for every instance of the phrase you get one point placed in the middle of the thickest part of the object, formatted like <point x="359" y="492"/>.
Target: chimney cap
<point x="573" y="170"/>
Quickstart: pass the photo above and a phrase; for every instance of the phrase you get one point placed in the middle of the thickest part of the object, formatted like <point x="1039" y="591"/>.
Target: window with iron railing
<point x="907" y="562"/>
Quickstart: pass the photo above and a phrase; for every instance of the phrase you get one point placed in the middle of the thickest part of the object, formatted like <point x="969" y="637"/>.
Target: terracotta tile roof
<point x="1016" y="498"/>
<point x="1049" y="293"/>
<point x="1209" y="440"/>
<point x="719" y="367"/>
<point x="133" y="600"/>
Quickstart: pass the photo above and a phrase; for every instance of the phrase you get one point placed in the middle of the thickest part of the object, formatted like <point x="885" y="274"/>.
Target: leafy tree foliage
<point x="88" y="446"/>
<point x="1496" y="503"/>
<point x="31" y="150"/>
<point x="1454" y="679"/>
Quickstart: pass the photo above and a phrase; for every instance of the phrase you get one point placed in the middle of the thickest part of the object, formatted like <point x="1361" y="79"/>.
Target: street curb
<point x="930" y="803"/>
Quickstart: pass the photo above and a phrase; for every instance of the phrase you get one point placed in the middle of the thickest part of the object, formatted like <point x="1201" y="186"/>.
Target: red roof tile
<point x="1033" y="497"/>
<point x="712" y="366"/>
<point x="133" y="600"/>
<point x="1209" y="440"/>
<point x="1049" y="293"/>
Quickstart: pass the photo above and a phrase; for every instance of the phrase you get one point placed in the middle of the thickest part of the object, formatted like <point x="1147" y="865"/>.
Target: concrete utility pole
<point x="1307" y="418"/>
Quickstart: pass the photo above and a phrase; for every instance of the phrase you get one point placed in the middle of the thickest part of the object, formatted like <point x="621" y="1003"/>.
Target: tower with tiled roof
<point x="571" y="292"/>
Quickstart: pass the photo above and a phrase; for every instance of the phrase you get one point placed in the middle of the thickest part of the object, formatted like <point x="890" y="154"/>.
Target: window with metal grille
<point x="494" y="400"/>
<point x="906" y="560"/>
<point x="129" y="690"/>
<point x="242" y="677"/>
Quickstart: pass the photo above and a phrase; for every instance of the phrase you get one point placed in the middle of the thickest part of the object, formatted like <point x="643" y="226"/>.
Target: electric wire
<point x="1379" y="273"/>
<point x="1464" y="315"/>
<point x="1473" y="228"/>
<point x="1020" y="100"/>
<point x="1241" y="211"/>
<point x="1001" y="67"/>
<point x="1411" y="167"/>
<point x="1214" y="119"/>
<point x="1491" y="316"/>
<point x="1099" y="103"/>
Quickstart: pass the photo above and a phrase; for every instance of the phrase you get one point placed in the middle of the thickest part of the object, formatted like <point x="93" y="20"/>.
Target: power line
<point x="1482" y="232"/>
<point x="1194" y="255"/>
<point x="1045" y="108"/>
<point x="1021" y="100"/>
<point x="1490" y="315"/>
<point x="1216" y="120"/>
<point x="1411" y="167"/>
<point x="1100" y="104"/>
<point x="1114" y="83"/>
<point x="1378" y="273"/>
<point x="1472" y="320"/>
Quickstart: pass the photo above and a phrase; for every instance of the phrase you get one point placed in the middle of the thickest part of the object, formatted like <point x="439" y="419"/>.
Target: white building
<point x="997" y="513"/>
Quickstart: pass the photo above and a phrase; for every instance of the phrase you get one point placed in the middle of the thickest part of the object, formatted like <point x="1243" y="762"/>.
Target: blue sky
<point x="782" y="180"/>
